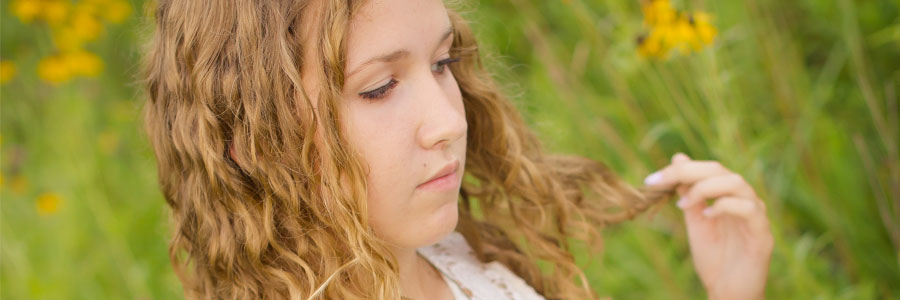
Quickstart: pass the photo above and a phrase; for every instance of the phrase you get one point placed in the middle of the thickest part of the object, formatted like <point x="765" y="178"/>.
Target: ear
<point x="232" y="155"/>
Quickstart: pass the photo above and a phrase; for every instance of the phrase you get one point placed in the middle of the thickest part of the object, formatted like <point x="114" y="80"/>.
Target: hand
<point x="730" y="241"/>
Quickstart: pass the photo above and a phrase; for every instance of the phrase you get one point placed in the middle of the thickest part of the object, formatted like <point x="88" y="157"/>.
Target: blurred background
<point x="800" y="97"/>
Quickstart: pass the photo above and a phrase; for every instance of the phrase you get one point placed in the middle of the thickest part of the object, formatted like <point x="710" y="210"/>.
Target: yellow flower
<point x="26" y="10"/>
<point x="705" y="31"/>
<point x="117" y="11"/>
<point x="657" y="12"/>
<point x="62" y="67"/>
<point x="86" y="26"/>
<point x="650" y="45"/>
<point x="680" y="35"/>
<point x="54" y="69"/>
<point x="7" y="71"/>
<point x="86" y="7"/>
<point x="67" y="40"/>
<point x="83" y="63"/>
<point x="48" y="203"/>
<point x="671" y="30"/>
<point x="55" y="12"/>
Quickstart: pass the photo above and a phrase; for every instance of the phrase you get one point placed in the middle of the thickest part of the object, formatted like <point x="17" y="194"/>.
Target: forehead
<point x="383" y="26"/>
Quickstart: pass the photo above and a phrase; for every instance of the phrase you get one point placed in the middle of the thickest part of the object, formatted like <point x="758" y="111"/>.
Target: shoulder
<point x="492" y="280"/>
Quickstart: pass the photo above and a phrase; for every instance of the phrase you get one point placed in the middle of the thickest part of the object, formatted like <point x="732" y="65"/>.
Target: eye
<point x="379" y="92"/>
<point x="439" y="66"/>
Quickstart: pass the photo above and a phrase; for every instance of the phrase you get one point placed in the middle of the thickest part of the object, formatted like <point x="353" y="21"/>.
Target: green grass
<point x="800" y="97"/>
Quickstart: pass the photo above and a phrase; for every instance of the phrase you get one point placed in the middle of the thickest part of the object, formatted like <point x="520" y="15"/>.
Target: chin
<point x="445" y="219"/>
<point x="422" y="227"/>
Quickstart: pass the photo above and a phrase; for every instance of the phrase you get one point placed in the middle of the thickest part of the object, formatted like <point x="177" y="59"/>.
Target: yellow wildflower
<point x="72" y="24"/>
<point x="650" y="45"/>
<point x="67" y="40"/>
<point x="62" y="67"/>
<point x="705" y="31"/>
<point x="48" y="203"/>
<point x="55" y="12"/>
<point x="657" y="12"/>
<point x="54" y="69"/>
<point x="83" y="63"/>
<point x="86" y="26"/>
<point x="26" y="10"/>
<point x="680" y="35"/>
<point x="671" y="30"/>
<point x="117" y="11"/>
<point x="7" y="71"/>
<point x="86" y="7"/>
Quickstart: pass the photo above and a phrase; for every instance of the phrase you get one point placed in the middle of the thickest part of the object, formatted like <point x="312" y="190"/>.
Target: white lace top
<point x="469" y="278"/>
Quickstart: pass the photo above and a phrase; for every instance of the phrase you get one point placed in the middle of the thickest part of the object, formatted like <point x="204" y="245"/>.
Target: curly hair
<point x="284" y="215"/>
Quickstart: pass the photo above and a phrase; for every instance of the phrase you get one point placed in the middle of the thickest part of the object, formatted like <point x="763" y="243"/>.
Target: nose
<point x="442" y="118"/>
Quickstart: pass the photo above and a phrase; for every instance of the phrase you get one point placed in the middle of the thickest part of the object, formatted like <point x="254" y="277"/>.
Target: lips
<point x="448" y="169"/>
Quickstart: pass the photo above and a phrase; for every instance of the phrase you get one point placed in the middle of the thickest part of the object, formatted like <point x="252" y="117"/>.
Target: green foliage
<point x="800" y="97"/>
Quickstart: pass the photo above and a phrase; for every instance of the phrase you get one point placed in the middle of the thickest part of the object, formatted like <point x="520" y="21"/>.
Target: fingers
<point x="684" y="171"/>
<point x="730" y="184"/>
<point x="732" y="206"/>
<point x="697" y="181"/>
<point x="679" y="158"/>
<point x="753" y="211"/>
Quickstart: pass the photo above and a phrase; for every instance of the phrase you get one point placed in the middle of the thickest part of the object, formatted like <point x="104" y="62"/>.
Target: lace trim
<point x="487" y="281"/>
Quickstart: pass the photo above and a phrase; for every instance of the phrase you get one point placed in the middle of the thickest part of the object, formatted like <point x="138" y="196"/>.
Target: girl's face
<point x="404" y="112"/>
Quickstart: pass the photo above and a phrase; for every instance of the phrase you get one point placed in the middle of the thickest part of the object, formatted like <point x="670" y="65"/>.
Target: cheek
<point x="385" y="149"/>
<point x="383" y="153"/>
<point x="388" y="191"/>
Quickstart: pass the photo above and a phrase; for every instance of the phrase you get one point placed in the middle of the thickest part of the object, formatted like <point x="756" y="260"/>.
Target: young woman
<point x="358" y="150"/>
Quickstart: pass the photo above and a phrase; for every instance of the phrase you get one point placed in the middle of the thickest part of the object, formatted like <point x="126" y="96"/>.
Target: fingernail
<point x="707" y="211"/>
<point x="681" y="202"/>
<point x="654" y="178"/>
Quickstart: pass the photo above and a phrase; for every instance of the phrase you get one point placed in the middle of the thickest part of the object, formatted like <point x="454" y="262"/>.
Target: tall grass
<point x="800" y="97"/>
<point x="797" y="96"/>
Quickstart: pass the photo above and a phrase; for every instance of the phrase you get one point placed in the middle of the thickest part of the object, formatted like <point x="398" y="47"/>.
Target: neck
<point x="418" y="278"/>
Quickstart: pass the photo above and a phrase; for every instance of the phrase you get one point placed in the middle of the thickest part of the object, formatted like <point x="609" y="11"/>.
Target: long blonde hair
<point x="285" y="216"/>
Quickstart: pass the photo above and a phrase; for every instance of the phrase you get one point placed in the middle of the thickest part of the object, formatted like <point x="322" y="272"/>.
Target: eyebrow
<point x="398" y="54"/>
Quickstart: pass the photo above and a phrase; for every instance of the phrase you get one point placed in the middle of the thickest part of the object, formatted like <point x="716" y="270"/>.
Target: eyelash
<point x="381" y="91"/>
<point x="444" y="62"/>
